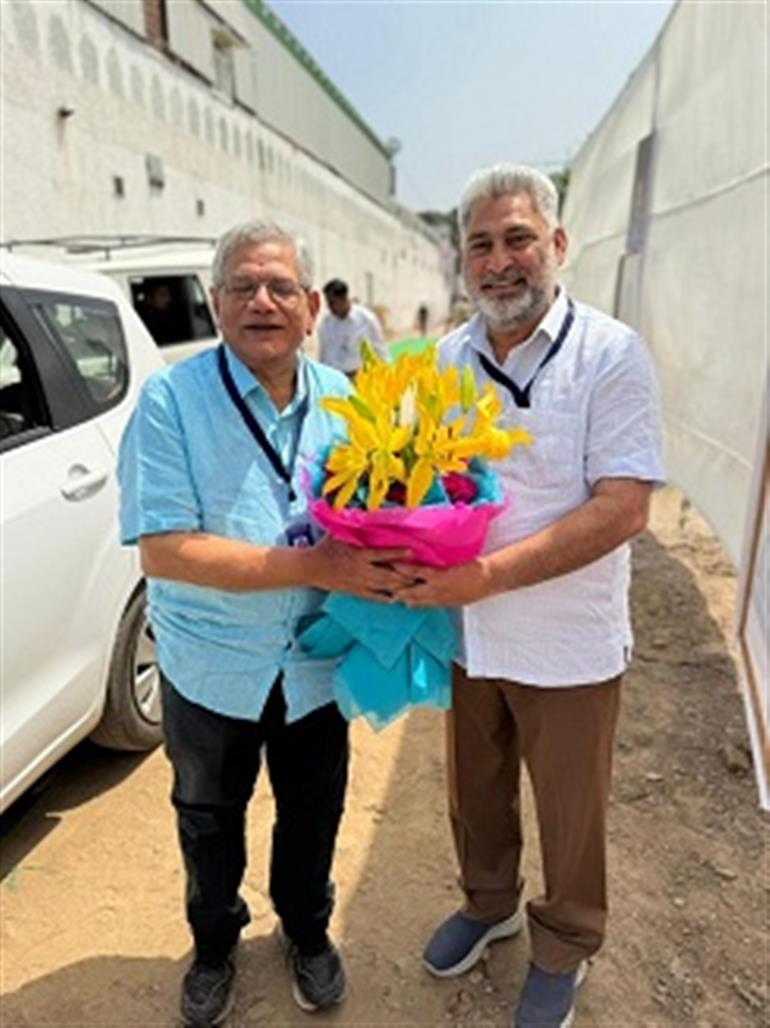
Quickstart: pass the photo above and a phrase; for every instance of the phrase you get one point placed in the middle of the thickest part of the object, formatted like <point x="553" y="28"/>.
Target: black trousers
<point x="216" y="760"/>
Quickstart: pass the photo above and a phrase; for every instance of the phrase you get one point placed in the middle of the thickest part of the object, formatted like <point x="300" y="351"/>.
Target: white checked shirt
<point x="594" y="414"/>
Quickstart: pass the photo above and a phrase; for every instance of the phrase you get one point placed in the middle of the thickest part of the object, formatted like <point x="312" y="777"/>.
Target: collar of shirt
<point x="523" y="359"/>
<point x="252" y="390"/>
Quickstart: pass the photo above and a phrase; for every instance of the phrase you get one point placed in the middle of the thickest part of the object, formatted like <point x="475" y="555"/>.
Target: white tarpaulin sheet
<point x="667" y="217"/>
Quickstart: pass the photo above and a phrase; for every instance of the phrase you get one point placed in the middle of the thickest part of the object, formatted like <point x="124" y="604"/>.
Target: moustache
<point x="506" y="279"/>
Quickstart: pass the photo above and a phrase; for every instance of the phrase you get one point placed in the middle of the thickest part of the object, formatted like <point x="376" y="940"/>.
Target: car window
<point x="20" y="407"/>
<point x="92" y="336"/>
<point x="173" y="307"/>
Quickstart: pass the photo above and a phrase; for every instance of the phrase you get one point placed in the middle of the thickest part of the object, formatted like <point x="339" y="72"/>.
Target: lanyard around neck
<point x="284" y="473"/>
<point x="521" y="397"/>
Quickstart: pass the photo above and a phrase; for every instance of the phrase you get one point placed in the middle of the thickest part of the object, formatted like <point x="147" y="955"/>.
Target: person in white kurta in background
<point x="344" y="327"/>
<point x="544" y="611"/>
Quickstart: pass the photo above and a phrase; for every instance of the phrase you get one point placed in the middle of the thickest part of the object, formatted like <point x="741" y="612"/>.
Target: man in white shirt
<point x="344" y="327"/>
<point x="544" y="610"/>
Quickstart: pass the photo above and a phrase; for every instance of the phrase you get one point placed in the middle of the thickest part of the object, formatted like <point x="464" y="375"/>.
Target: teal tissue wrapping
<point x="391" y="657"/>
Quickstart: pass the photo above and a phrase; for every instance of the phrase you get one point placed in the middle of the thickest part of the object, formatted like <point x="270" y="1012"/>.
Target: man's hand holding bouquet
<point x="411" y="474"/>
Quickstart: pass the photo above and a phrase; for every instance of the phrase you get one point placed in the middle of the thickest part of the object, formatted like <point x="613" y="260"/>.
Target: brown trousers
<point x="564" y="736"/>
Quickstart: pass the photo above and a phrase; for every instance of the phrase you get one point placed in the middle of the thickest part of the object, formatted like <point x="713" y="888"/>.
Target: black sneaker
<point x="318" y="978"/>
<point x="207" y="993"/>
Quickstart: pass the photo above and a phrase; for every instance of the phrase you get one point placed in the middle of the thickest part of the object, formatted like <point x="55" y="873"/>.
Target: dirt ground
<point x="92" y="927"/>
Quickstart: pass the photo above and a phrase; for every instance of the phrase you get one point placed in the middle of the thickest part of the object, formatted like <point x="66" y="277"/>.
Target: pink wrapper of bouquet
<point x="437" y="536"/>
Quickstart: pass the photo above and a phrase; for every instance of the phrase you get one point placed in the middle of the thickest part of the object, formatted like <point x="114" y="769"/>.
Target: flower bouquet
<point x="411" y="474"/>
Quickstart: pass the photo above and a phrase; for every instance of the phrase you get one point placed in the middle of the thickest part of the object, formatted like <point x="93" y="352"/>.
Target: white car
<point x="77" y="655"/>
<point x="166" y="280"/>
<point x="168" y="286"/>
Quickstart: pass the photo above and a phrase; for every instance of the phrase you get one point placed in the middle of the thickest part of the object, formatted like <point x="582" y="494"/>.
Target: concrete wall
<point x="128" y="102"/>
<point x="129" y="12"/>
<point x="289" y="95"/>
<point x="667" y="210"/>
<point x="692" y="274"/>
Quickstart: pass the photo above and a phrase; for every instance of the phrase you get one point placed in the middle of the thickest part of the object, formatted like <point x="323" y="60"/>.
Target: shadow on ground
<point x="686" y="944"/>
<point x="85" y="772"/>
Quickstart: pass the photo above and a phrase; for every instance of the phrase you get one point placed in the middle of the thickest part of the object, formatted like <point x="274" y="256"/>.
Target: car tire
<point x="131" y="719"/>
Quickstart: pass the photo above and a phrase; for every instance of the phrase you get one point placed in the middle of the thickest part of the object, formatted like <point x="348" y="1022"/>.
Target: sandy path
<point x="91" y="924"/>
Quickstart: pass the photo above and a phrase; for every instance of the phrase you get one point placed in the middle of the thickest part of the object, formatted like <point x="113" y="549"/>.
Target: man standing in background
<point x="422" y="320"/>
<point x="344" y="327"/>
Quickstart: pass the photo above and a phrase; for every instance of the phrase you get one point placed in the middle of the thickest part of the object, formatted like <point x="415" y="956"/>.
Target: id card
<point x="300" y="534"/>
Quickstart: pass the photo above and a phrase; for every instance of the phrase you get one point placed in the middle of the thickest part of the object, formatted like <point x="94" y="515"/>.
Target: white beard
<point x="513" y="312"/>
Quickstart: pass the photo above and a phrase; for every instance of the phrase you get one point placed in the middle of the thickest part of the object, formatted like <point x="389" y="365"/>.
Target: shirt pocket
<point x="553" y="459"/>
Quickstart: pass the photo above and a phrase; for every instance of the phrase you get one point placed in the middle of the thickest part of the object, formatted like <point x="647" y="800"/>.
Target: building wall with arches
<point x="104" y="132"/>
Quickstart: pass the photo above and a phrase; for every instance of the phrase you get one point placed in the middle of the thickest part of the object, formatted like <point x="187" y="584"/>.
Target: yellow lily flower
<point x="373" y="450"/>
<point x="399" y="431"/>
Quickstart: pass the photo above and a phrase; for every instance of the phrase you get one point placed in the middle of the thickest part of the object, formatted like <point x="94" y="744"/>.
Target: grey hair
<point x="508" y="180"/>
<point x="255" y="231"/>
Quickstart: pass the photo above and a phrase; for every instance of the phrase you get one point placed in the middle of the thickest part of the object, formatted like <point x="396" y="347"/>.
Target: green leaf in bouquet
<point x="368" y="354"/>
<point x="360" y="407"/>
<point x="467" y="389"/>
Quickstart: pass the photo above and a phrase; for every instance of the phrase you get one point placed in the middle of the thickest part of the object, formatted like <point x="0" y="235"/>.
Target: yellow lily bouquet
<point x="411" y="474"/>
<point x="417" y="440"/>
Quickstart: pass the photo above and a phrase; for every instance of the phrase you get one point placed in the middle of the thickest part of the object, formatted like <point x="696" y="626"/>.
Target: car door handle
<point x="83" y="482"/>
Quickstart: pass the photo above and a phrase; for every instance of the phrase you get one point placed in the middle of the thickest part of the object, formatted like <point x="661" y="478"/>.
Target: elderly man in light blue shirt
<point x="212" y="493"/>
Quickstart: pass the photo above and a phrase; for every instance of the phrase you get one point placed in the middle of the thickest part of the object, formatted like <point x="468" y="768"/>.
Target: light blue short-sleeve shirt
<point x="188" y="463"/>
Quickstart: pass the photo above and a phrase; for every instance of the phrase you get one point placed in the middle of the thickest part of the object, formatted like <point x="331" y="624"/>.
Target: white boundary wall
<point x="694" y="263"/>
<point x="128" y="101"/>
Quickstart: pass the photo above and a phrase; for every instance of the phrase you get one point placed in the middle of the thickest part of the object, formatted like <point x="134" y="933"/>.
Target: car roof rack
<point x="106" y="244"/>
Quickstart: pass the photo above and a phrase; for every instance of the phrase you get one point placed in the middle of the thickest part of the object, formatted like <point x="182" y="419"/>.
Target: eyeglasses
<point x="280" y="290"/>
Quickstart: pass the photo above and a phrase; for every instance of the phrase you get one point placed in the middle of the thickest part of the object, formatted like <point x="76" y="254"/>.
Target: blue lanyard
<point x="521" y="397"/>
<point x="284" y="473"/>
